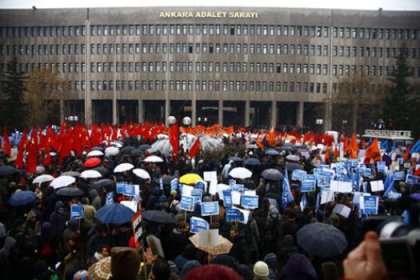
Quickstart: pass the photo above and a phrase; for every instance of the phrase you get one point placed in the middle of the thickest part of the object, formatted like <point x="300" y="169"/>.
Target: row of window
<point x="213" y="67"/>
<point x="189" y="48"/>
<point x="210" y="29"/>
<point x="188" y="85"/>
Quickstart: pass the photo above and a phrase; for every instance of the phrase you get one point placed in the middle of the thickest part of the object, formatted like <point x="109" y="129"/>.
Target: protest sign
<point x="377" y="186"/>
<point x="411" y="179"/>
<point x="236" y="198"/>
<point x="220" y="188"/>
<point x="201" y="185"/>
<point x="326" y="196"/>
<point x="197" y="224"/>
<point x="233" y="214"/>
<point x="197" y="194"/>
<point x="381" y="166"/>
<point x="187" y="190"/>
<point x="137" y="227"/>
<point x="238" y="187"/>
<point x="298" y="174"/>
<point x="120" y="187"/>
<point x="76" y="212"/>
<point x="249" y="201"/>
<point x="342" y="210"/>
<point x="187" y="203"/>
<point x="174" y="184"/>
<point x="130" y="204"/>
<point x="369" y="204"/>
<point x="227" y="199"/>
<point x="341" y="187"/>
<point x="323" y="180"/>
<point x="210" y="176"/>
<point x="210" y="208"/>
<point x="399" y="175"/>
<point x="308" y="184"/>
<point x="109" y="198"/>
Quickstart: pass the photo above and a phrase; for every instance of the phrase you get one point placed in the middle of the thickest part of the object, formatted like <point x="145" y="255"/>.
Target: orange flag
<point x="354" y="149"/>
<point x="271" y="137"/>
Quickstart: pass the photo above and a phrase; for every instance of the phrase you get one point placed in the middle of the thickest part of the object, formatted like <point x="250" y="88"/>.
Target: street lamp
<point x="319" y="122"/>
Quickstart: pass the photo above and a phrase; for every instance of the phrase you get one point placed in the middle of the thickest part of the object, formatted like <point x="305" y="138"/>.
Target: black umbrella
<point x="144" y="147"/>
<point x="158" y="217"/>
<point x="7" y="170"/>
<point x="166" y="179"/>
<point x="272" y="174"/>
<point x="106" y="183"/>
<point x="136" y="152"/>
<point x="69" y="191"/>
<point x="235" y="158"/>
<point x="252" y="162"/>
<point x="290" y="166"/>
<point x="101" y="170"/>
<point x="126" y="149"/>
<point x="321" y="240"/>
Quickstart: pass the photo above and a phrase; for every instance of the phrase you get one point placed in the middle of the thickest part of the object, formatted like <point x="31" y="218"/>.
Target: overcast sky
<point x="336" y="4"/>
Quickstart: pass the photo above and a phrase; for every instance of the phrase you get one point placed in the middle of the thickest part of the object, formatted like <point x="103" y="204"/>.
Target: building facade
<point x="257" y="67"/>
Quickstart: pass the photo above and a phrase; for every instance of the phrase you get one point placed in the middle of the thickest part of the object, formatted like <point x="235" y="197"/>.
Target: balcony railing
<point x="388" y="134"/>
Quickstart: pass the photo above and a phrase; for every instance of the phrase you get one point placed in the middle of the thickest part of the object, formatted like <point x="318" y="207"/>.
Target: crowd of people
<point x="39" y="240"/>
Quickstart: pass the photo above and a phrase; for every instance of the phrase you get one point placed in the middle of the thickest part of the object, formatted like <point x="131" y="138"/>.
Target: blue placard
<point x="317" y="171"/>
<point x="297" y="174"/>
<point x="76" y="212"/>
<point x="232" y="182"/>
<point x="324" y="181"/>
<point x="370" y="204"/>
<point x="411" y="179"/>
<point x="197" y="194"/>
<point x="238" y="187"/>
<point x="227" y="198"/>
<point x="367" y="172"/>
<point x="307" y="186"/>
<point x="210" y="208"/>
<point x="233" y="214"/>
<point x="249" y="201"/>
<point x="129" y="190"/>
<point x="174" y="184"/>
<point x="120" y="187"/>
<point x="381" y="166"/>
<point x="197" y="224"/>
<point x="187" y="203"/>
<point x="399" y="175"/>
<point x="161" y="184"/>
<point x="109" y="198"/>
<point x="200" y="185"/>
<point x="354" y="163"/>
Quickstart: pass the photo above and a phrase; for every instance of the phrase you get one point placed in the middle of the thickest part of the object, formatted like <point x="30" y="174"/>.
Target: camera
<point x="400" y="240"/>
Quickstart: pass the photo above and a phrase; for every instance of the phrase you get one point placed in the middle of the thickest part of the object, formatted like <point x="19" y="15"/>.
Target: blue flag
<point x="303" y="202"/>
<point x="287" y="194"/>
<point x="389" y="190"/>
<point x="355" y="181"/>
<point x="415" y="148"/>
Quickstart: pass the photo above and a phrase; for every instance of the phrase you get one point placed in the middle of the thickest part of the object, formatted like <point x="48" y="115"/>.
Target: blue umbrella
<point x="272" y="152"/>
<point x="22" y="198"/>
<point x="252" y="162"/>
<point x="114" y="214"/>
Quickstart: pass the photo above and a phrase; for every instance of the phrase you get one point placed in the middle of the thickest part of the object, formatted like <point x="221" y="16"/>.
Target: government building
<point x="252" y="67"/>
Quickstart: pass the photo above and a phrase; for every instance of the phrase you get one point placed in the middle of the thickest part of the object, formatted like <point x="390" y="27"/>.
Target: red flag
<point x="6" y="145"/>
<point x="195" y="148"/>
<point x="21" y="149"/>
<point x="407" y="153"/>
<point x="173" y="132"/>
<point x="271" y="137"/>
<point x="31" y="159"/>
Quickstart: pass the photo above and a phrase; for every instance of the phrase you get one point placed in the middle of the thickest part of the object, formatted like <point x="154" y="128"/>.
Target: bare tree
<point x="356" y="101"/>
<point x="44" y="90"/>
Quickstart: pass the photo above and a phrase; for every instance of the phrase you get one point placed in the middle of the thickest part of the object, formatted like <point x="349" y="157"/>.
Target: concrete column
<point x="194" y="111"/>
<point x="247" y="112"/>
<point x="62" y="111"/>
<point x="299" y="114"/>
<point x="140" y="110"/>
<point x="88" y="99"/>
<point x="273" y="113"/>
<point x="114" y="110"/>
<point x="221" y="112"/>
<point x="167" y="108"/>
